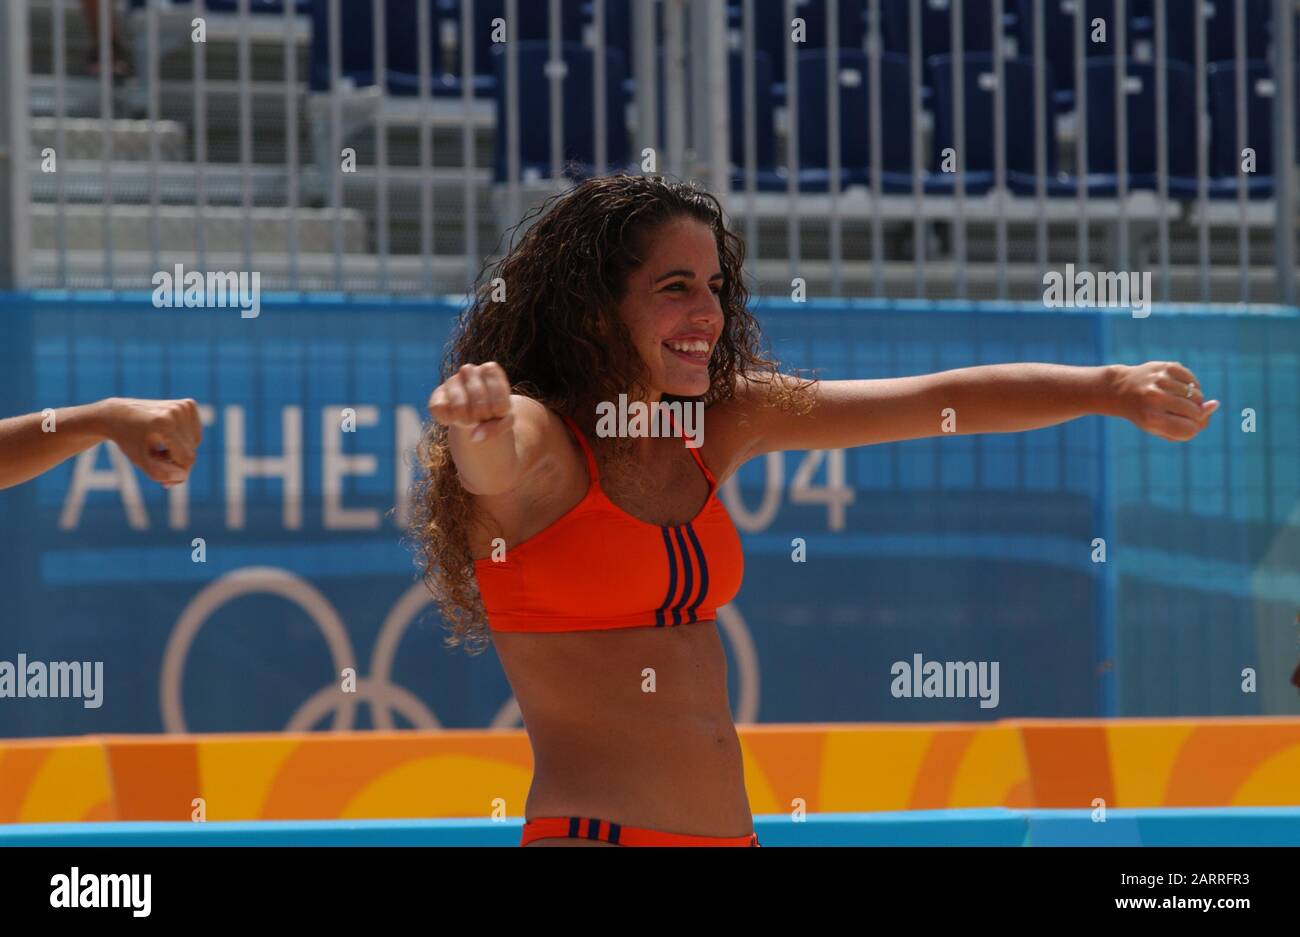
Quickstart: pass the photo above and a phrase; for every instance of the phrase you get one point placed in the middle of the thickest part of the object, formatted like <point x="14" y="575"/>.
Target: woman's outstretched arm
<point x="158" y="436"/>
<point x="1161" y="397"/>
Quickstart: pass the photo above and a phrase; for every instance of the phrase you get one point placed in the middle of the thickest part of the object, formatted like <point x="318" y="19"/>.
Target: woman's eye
<point x="717" y="290"/>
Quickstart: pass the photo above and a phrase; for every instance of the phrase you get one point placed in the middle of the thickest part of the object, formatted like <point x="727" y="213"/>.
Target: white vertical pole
<point x="1285" y="155"/>
<point x="719" y="103"/>
<point x="674" y="88"/>
<point x="15" y="194"/>
<point x="833" y="140"/>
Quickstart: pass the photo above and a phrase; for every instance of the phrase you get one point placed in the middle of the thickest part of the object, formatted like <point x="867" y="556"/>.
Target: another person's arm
<point x="158" y="436"/>
<point x="996" y="398"/>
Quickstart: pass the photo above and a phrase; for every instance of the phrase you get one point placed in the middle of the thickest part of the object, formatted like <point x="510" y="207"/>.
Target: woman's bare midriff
<point x="630" y="725"/>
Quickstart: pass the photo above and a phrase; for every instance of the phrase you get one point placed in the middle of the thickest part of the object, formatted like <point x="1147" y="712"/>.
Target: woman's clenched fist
<point x="158" y="436"/>
<point x="476" y="398"/>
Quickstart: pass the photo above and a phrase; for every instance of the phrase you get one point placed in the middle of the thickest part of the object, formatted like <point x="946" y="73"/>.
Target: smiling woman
<point x="609" y="274"/>
<point x="597" y="563"/>
<point x="626" y="294"/>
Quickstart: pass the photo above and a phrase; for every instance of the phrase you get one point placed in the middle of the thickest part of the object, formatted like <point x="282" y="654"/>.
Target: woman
<point x="599" y="561"/>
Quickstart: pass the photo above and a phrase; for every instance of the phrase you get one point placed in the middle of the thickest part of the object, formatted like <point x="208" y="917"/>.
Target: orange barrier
<point x="1230" y="762"/>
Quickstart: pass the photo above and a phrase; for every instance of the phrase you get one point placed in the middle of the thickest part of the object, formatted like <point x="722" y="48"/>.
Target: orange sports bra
<point x="598" y="567"/>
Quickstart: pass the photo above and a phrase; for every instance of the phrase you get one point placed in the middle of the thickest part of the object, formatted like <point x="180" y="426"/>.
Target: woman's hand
<point x="158" y="436"/>
<point x="1162" y="397"/>
<point x="477" y="397"/>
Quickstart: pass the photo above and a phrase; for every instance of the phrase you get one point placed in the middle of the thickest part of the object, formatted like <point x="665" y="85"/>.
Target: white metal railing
<point x="928" y="238"/>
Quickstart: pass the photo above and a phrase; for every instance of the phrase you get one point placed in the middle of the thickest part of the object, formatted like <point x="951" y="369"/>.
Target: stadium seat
<point x="232" y="6"/>
<point x="1225" y="158"/>
<point x="356" y="44"/>
<point x="1141" y="97"/>
<point x="401" y="19"/>
<point x="936" y="26"/>
<point x="766" y="177"/>
<point x="979" y="92"/>
<point x="401" y="50"/>
<point x="618" y="24"/>
<point x="855" y="140"/>
<point x="772" y="31"/>
<point x="534" y="25"/>
<point x="1220" y="30"/>
<point x="1058" y="35"/>
<point x="579" y="120"/>
<point x="256" y="6"/>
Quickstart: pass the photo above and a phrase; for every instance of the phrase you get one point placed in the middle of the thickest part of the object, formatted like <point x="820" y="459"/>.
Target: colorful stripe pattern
<point x="826" y="768"/>
<point x="688" y="566"/>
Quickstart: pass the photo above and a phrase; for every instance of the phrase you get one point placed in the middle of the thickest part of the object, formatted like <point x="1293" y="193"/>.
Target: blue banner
<point x="960" y="549"/>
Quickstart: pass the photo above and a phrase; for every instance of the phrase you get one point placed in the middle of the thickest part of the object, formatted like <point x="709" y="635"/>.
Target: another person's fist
<point x="477" y="398"/>
<point x="158" y="436"/>
<point x="1164" y="399"/>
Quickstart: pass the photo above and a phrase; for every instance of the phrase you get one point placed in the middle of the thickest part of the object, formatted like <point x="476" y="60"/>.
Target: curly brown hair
<point x="559" y="338"/>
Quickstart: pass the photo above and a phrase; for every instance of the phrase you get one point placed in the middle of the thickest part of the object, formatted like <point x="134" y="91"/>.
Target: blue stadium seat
<point x="1220" y="30"/>
<point x="766" y="177"/>
<point x="401" y="23"/>
<point x="579" y="118"/>
<point x="356" y="44"/>
<point x="1141" y="98"/>
<point x="936" y="26"/>
<point x="618" y="24"/>
<point x="1058" y="35"/>
<point x="1224" y="155"/>
<point x="401" y="49"/>
<point x="232" y="6"/>
<point x="256" y="6"/>
<point x="533" y="25"/>
<point x="772" y="30"/>
<point x="979" y="89"/>
<point x="855" y="140"/>
<point x="852" y="20"/>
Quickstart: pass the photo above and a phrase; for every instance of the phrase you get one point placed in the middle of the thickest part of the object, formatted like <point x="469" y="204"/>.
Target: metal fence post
<point x="1285" y="157"/>
<point x="719" y="103"/>
<point x="15" y="191"/>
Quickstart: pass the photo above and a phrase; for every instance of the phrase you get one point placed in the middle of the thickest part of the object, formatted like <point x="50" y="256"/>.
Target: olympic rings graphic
<point x="378" y="691"/>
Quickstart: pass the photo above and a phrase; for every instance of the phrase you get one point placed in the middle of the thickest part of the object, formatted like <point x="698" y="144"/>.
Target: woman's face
<point x="672" y="308"/>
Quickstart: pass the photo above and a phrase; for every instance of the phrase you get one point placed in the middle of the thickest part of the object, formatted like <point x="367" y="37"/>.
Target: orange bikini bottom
<point x="606" y="832"/>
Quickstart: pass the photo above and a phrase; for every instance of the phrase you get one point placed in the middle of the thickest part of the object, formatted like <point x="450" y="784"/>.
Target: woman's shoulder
<point x="735" y="424"/>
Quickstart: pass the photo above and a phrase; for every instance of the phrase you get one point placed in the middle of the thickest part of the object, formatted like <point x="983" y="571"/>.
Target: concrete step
<point x="446" y="275"/>
<point x="451" y="274"/>
<point x="268" y="121"/>
<point x="131" y="185"/>
<point x="266" y="41"/>
<point x="772" y="242"/>
<point x="83" y="138"/>
<point x="223" y="229"/>
<point x="772" y="278"/>
<point x="178" y="183"/>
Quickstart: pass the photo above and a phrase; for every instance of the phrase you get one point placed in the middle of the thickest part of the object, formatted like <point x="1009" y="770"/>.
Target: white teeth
<point x="689" y="346"/>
